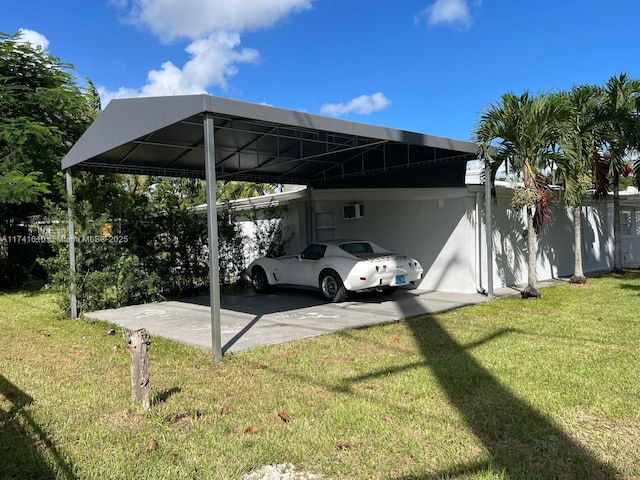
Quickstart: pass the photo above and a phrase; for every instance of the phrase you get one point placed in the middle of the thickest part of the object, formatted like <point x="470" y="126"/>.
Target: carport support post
<point x="212" y="227"/>
<point x="71" y="238"/>
<point x="487" y="203"/>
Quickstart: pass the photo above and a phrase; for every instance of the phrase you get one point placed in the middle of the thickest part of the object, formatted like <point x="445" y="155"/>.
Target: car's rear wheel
<point x="331" y="287"/>
<point x="259" y="280"/>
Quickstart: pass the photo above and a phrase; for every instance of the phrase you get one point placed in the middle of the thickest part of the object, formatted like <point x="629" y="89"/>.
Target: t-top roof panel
<point x="165" y="136"/>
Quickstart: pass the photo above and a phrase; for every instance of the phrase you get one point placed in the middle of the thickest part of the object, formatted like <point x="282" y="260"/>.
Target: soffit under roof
<point x="165" y="136"/>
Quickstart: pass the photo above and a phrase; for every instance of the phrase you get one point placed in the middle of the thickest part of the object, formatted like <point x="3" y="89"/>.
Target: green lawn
<point x="539" y="389"/>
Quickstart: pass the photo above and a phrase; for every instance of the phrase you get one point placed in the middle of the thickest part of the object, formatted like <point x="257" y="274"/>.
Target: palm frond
<point x="543" y="216"/>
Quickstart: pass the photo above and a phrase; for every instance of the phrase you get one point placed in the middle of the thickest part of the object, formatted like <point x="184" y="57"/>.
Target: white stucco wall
<point x="555" y="257"/>
<point x="293" y="224"/>
<point x="597" y="236"/>
<point x="439" y="228"/>
<point x="431" y="225"/>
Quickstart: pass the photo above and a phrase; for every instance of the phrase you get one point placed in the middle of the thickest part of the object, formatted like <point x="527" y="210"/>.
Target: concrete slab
<point x="249" y="320"/>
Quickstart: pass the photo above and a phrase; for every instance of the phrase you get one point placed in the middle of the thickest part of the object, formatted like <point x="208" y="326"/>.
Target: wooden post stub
<point x="139" y="345"/>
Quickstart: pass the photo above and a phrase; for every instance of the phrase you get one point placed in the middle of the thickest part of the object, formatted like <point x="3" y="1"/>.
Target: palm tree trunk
<point x="578" y="274"/>
<point x="617" y="244"/>
<point x="531" y="289"/>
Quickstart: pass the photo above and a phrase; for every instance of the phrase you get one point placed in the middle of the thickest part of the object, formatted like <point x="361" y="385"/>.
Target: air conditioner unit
<point x="353" y="212"/>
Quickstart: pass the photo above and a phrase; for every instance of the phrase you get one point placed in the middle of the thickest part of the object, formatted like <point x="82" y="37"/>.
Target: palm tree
<point x="527" y="129"/>
<point x="230" y="190"/>
<point x="582" y="138"/>
<point x="621" y="102"/>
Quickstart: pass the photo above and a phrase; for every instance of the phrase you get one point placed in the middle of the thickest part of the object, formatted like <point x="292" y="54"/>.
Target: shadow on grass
<point x="23" y="441"/>
<point x="29" y="289"/>
<point x="520" y="441"/>
<point x="630" y="286"/>
<point x="162" y="397"/>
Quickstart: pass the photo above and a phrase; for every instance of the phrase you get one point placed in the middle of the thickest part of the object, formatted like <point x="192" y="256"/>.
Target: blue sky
<point x="420" y="65"/>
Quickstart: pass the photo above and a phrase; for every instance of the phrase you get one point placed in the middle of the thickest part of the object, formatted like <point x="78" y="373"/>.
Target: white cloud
<point x="213" y="60"/>
<point x="214" y="28"/>
<point x="362" y="105"/>
<point x="194" y="19"/>
<point x="447" y="12"/>
<point x="34" y="38"/>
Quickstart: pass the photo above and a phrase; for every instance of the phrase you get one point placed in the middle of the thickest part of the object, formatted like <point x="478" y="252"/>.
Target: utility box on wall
<point x="353" y="212"/>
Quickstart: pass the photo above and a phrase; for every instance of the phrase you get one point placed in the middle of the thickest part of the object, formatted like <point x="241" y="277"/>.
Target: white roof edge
<point x="280" y="198"/>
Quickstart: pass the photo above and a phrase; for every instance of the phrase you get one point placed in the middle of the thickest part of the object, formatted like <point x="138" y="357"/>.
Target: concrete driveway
<point x="249" y="320"/>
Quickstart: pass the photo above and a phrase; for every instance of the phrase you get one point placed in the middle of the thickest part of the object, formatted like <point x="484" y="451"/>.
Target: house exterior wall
<point x="292" y="224"/>
<point x="433" y="226"/>
<point x="444" y="229"/>
<point x="597" y="236"/>
<point x="555" y="246"/>
<point x="555" y="257"/>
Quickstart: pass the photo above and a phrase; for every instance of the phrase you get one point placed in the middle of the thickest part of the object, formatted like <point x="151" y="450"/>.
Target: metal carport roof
<point x="165" y="136"/>
<point x="217" y="138"/>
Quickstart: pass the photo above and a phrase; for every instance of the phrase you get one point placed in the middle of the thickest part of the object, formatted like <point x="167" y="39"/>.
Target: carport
<point x="214" y="138"/>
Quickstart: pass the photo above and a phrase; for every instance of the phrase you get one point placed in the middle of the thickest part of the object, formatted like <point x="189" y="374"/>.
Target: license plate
<point x="401" y="279"/>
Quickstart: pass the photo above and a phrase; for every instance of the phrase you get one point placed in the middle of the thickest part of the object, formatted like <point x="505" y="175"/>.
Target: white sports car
<point x="336" y="268"/>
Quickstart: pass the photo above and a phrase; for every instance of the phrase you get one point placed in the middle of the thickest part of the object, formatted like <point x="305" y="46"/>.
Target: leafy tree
<point x="42" y="113"/>
<point x="527" y="129"/>
<point x="138" y="240"/>
<point x="231" y="249"/>
<point x="181" y="236"/>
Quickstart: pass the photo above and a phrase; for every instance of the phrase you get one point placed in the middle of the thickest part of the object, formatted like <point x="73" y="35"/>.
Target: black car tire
<point x="331" y="287"/>
<point x="259" y="280"/>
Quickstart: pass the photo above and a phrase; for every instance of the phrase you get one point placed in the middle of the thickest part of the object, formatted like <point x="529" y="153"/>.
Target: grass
<point x="512" y="389"/>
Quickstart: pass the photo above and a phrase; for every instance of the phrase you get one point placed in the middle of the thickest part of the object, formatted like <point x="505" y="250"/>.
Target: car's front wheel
<point x="259" y="280"/>
<point x="331" y="287"/>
